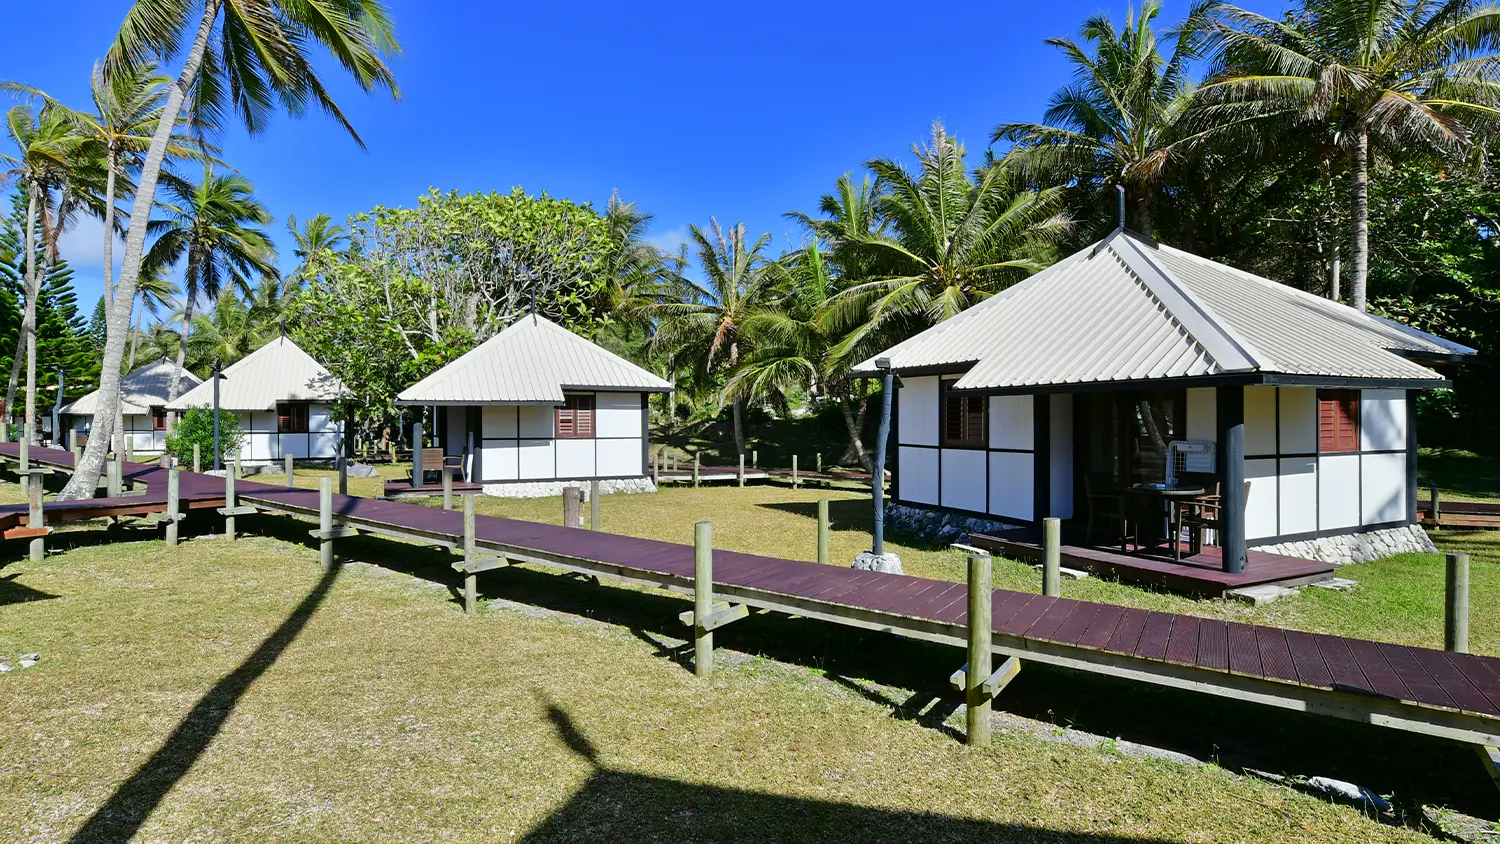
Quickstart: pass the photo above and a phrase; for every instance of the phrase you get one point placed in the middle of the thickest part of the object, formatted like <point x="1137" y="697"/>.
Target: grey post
<point x="447" y="487"/>
<point x="594" y="504"/>
<point x="883" y="433"/>
<point x="823" y="531"/>
<point x="695" y="469"/>
<point x="794" y="471"/>
<point x="755" y="458"/>
<point x="197" y="459"/>
<point x="325" y="521"/>
<point x="1456" y="605"/>
<point x="471" y="584"/>
<point x="229" y="503"/>
<point x="656" y="470"/>
<point x="116" y="477"/>
<point x="1052" y="556"/>
<point x="819" y="458"/>
<point x="703" y="597"/>
<point x="174" y="497"/>
<point x="129" y="448"/>
<point x="289" y="478"/>
<point x="77" y="451"/>
<point x="981" y="593"/>
<point x="418" y="471"/>
<point x="1437" y="508"/>
<point x="73" y="440"/>
<point x="742" y="470"/>
<point x="35" y="518"/>
<point x="572" y="507"/>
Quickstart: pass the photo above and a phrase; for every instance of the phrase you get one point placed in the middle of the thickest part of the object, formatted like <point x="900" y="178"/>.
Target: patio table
<point x="1162" y="494"/>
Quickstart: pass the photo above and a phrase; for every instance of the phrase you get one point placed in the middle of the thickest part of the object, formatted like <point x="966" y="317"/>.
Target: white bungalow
<point x="536" y="407"/>
<point x="284" y="400"/>
<point x="1088" y="372"/>
<point x="143" y="400"/>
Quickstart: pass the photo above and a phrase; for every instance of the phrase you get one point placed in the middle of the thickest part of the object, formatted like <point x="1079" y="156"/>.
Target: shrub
<point x="197" y="427"/>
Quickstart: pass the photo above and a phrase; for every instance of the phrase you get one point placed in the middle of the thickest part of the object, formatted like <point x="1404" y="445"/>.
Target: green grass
<point x="1461" y="475"/>
<point x="223" y="691"/>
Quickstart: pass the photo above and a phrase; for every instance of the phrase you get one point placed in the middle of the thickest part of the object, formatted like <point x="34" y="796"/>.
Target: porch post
<point x="1231" y="455"/>
<point x="1411" y="457"/>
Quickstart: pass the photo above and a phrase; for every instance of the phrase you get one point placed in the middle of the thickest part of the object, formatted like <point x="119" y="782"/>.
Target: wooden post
<point x="471" y="584"/>
<point x="229" y="503"/>
<point x="572" y="507"/>
<point x="594" y="504"/>
<point x="794" y="471"/>
<point x="418" y="471"/>
<point x="197" y="459"/>
<point x="742" y="471"/>
<point x="981" y="593"/>
<point x="1231" y="459"/>
<point x="129" y="448"/>
<point x="174" y="498"/>
<point x="823" y="531"/>
<point x="1456" y="605"/>
<point x="116" y="482"/>
<point x="77" y="453"/>
<point x="447" y="487"/>
<point x="73" y="439"/>
<point x="820" y="462"/>
<point x="289" y="479"/>
<point x="325" y="521"/>
<point x="1052" y="556"/>
<point x="695" y="470"/>
<point x="703" y="597"/>
<point x="1437" y="508"/>
<point x="656" y="470"/>
<point x="755" y="458"/>
<point x="35" y="518"/>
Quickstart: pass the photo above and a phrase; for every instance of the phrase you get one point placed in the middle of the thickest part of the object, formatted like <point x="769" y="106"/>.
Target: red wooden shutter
<point x="1338" y="420"/>
<point x="583" y="416"/>
<point x="565" y="420"/>
<point x="284" y="418"/>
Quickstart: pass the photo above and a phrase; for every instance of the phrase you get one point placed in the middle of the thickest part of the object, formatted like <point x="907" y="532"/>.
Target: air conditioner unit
<point x="1190" y="457"/>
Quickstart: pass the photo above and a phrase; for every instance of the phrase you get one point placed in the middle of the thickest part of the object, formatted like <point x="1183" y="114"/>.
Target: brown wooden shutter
<point x="284" y="418"/>
<point x="565" y="420"/>
<point x="1338" y="421"/>
<point x="583" y="417"/>
<point x="975" y="433"/>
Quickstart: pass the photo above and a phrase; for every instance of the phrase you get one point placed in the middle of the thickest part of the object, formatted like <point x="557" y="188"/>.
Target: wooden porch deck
<point x="404" y="489"/>
<point x="1201" y="574"/>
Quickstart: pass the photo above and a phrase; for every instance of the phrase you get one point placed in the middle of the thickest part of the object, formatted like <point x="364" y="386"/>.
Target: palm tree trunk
<point x="15" y="360"/>
<point x="1361" y="214"/>
<point x="739" y="431"/>
<point x="135" y="337"/>
<point x="175" y="388"/>
<point x="854" y="425"/>
<point x="85" y="480"/>
<point x="111" y="163"/>
<point x="28" y="315"/>
<point x="1144" y="211"/>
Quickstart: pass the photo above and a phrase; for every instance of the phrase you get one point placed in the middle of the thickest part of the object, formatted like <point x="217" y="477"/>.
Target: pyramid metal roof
<point x="140" y="390"/>
<point x="276" y="372"/>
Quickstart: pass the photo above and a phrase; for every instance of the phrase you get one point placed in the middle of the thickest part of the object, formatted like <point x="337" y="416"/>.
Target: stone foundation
<point x="1357" y="547"/>
<point x="938" y="525"/>
<point x="548" y="489"/>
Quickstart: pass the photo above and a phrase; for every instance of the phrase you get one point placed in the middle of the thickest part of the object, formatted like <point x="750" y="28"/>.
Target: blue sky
<point x="690" y="110"/>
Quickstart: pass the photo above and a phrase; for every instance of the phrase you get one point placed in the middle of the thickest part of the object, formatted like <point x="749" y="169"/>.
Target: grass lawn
<point x="223" y="691"/>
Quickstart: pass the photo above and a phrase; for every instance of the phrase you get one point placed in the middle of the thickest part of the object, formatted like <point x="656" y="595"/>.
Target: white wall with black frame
<point x="305" y="430"/>
<point x="146" y="432"/>
<point x="594" y="435"/>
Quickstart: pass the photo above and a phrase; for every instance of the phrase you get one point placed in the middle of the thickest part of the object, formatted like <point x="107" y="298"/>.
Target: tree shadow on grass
<point x="122" y="816"/>
<point x="13" y="592"/>
<point x="849" y="514"/>
<point x="616" y="805"/>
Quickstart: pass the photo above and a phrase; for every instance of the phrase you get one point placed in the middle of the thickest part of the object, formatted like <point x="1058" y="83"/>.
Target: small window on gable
<point x="575" y="418"/>
<point x="1338" y="421"/>
<point x="965" y="419"/>
<point x="158" y="419"/>
<point x="291" y="417"/>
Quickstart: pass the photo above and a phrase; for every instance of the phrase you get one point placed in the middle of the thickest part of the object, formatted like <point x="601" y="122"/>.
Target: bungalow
<point x="143" y="400"/>
<point x="1130" y="362"/>
<point x="284" y="400"/>
<point x="536" y="407"/>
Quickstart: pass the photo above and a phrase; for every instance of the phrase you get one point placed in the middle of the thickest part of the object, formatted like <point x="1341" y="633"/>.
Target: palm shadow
<point x="14" y="592"/>
<point x="122" y="816"/>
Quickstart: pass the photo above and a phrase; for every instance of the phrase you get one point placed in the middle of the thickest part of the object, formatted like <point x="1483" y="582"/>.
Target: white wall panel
<point x="1012" y="422"/>
<point x="536" y="421"/>
<point x="497" y="422"/>
<point x="1260" y="505"/>
<point x="1061" y="444"/>
<point x="320" y="419"/>
<point x="294" y="444"/>
<point x="252" y="447"/>
<point x="141" y="441"/>
<point x="323" y="446"/>
<point x="1299" y="420"/>
<point x="259" y="421"/>
<point x="1299" y="495"/>
<point x="500" y="461"/>
<point x="575" y="458"/>
<point x="537" y="462"/>
<point x="1338" y="491"/>
<point x="1202" y="414"/>
<point x="618" y="414"/>
<point x="1011" y="488"/>
<point x="1383" y="488"/>
<point x="963" y="479"/>
<point x="620" y="458"/>
<point x="918" y="479"/>
<point x="1260" y="420"/>
<point x="457" y="418"/>
<point x="918" y="422"/>
<point x="1382" y="420"/>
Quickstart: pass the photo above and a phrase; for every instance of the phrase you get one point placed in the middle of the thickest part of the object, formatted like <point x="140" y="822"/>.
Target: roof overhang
<point x="525" y="402"/>
<point x="1242" y="379"/>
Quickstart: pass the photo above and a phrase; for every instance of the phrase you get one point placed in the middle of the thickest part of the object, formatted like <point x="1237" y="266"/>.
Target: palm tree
<point x="708" y="322"/>
<point x="50" y="151"/>
<point x="233" y="329"/>
<point x="1379" y="76"/>
<point x="251" y="61"/>
<point x="156" y="292"/>
<point x="953" y="240"/>
<point x="216" y="226"/>
<point x="318" y="244"/>
<point x="1118" y="122"/>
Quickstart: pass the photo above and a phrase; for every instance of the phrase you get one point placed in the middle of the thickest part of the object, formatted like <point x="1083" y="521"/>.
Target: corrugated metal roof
<point x="141" y="390"/>
<point x="276" y="372"/>
<point x="1127" y="309"/>
<point x="532" y="361"/>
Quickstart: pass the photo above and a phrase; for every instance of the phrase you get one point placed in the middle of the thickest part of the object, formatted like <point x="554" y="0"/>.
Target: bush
<point x="197" y="427"/>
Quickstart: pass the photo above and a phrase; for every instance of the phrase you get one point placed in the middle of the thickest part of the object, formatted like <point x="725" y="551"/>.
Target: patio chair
<point x="1206" y="512"/>
<point x="1107" y="506"/>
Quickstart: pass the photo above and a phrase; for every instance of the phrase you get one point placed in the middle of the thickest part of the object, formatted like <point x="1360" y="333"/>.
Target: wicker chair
<point x="1107" y="506"/>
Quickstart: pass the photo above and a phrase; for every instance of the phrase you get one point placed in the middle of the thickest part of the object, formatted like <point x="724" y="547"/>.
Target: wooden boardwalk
<point x="1455" y="696"/>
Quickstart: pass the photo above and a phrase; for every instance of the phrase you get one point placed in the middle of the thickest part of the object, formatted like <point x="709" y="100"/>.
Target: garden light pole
<point x="57" y="437"/>
<point x="877" y="483"/>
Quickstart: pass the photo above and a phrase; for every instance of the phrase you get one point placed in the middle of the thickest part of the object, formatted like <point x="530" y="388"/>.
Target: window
<point x="158" y="419"/>
<point x="291" y="418"/>
<point x="1338" y="420"/>
<point x="575" y="419"/>
<point x="965" y="419"/>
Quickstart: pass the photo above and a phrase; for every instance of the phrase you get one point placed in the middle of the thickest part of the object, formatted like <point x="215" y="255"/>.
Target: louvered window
<point x="158" y="419"/>
<point x="1338" y="420"/>
<point x="291" y="418"/>
<point x="575" y="419"/>
<point x="965" y="420"/>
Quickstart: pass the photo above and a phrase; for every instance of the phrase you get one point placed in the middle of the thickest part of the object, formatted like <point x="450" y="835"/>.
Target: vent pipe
<point x="1120" y="207"/>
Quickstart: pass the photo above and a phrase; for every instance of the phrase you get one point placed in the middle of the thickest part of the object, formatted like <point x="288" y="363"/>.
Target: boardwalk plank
<point x="1414" y="676"/>
<point x="1343" y="668"/>
<point x="1213" y="644"/>
<point x="1307" y="660"/>
<point x="1275" y="656"/>
<point x="1127" y="633"/>
<point x="1154" y="638"/>
<point x="1244" y="650"/>
<point x="1102" y="627"/>
<point x="1383" y="681"/>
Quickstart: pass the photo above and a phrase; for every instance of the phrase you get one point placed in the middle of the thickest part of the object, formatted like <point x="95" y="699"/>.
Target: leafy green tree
<point x="62" y="335"/>
<point x="196" y="427"/>
<point x="97" y="326"/>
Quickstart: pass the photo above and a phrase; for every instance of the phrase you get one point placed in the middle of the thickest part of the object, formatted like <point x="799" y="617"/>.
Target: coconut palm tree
<point x="708" y="322"/>
<point x="952" y="240"/>
<point x="1381" y="77"/>
<point x="318" y="244"/>
<point x="156" y="292"/>
<point x="1119" y="121"/>
<point x="254" y="59"/>
<point x="216" y="226"/>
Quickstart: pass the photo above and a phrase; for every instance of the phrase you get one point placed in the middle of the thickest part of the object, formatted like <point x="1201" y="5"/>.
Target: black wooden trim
<point x="645" y="436"/>
<point x="1041" y="457"/>
<point x="1411" y="456"/>
<point x="893" y="455"/>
